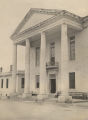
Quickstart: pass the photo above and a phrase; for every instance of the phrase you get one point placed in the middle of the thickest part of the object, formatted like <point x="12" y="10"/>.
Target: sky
<point x="13" y="11"/>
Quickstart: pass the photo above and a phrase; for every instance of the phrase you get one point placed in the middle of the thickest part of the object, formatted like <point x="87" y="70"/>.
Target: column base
<point x="65" y="99"/>
<point x="3" y="97"/>
<point x="42" y="97"/>
<point x="26" y="95"/>
<point x="13" y="94"/>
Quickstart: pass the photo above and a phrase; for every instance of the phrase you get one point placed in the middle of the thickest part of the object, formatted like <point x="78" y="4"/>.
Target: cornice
<point x="5" y="74"/>
<point x="20" y="72"/>
<point x="29" y="14"/>
<point x="46" y="23"/>
<point x="44" y="11"/>
<point x="85" y="21"/>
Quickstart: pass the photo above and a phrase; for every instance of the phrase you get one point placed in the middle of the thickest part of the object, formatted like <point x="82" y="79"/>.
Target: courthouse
<point x="56" y="53"/>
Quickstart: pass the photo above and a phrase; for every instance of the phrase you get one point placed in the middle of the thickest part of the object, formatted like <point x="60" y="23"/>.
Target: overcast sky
<point x="12" y="12"/>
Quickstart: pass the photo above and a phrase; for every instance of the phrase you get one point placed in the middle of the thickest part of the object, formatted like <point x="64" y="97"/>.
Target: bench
<point x="78" y="95"/>
<point x="75" y="95"/>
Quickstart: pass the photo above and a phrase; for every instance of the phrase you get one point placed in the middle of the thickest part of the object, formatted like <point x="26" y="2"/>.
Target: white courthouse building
<point x="56" y="53"/>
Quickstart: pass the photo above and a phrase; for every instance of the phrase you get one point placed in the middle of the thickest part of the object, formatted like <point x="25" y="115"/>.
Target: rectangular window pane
<point x="22" y="82"/>
<point x="6" y="83"/>
<point x="72" y="80"/>
<point x="2" y="83"/>
<point x="37" y="81"/>
<point x="72" y="48"/>
<point x="37" y="56"/>
<point x="52" y="49"/>
<point x="52" y="53"/>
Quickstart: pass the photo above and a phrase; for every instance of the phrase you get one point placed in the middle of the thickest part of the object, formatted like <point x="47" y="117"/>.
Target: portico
<point x="54" y="32"/>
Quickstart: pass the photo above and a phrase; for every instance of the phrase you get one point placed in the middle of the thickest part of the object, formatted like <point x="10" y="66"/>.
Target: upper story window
<point x="37" y="56"/>
<point x="22" y="82"/>
<point x="7" y="83"/>
<point x="72" y="48"/>
<point x="52" y="53"/>
<point x="37" y="81"/>
<point x="1" y="83"/>
<point x="72" y="80"/>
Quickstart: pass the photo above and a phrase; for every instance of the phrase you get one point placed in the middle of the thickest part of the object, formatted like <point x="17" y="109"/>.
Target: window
<point x="72" y="48"/>
<point x="7" y="83"/>
<point x="37" y="56"/>
<point x="22" y="82"/>
<point x="1" y="83"/>
<point x="72" y="80"/>
<point x="52" y="53"/>
<point x="37" y="81"/>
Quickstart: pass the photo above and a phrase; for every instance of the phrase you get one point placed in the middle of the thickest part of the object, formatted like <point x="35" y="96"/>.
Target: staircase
<point x="51" y="98"/>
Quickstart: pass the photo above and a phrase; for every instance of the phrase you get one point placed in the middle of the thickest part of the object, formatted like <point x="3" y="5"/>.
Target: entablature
<point x="37" y="29"/>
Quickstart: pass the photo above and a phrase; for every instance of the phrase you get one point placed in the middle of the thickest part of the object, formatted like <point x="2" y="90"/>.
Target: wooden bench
<point x="78" y="95"/>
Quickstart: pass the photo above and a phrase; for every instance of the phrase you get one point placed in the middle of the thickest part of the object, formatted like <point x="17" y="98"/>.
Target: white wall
<point x="79" y="65"/>
<point x="5" y="90"/>
<point x="8" y="90"/>
<point x="81" y="62"/>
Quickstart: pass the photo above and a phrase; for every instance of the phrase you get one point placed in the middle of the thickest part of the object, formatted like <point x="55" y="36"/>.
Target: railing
<point x="54" y="65"/>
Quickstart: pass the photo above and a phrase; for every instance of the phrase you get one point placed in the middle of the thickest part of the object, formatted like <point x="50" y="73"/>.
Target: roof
<point x="54" y="12"/>
<point x="84" y="19"/>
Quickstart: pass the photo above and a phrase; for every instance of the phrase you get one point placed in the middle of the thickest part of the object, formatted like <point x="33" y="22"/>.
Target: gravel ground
<point x="11" y="110"/>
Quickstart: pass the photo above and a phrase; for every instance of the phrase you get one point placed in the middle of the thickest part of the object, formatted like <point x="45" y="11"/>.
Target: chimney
<point x="11" y="67"/>
<point x="1" y="69"/>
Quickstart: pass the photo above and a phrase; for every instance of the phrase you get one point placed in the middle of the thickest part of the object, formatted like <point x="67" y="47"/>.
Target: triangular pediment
<point x="35" y="19"/>
<point x="36" y="16"/>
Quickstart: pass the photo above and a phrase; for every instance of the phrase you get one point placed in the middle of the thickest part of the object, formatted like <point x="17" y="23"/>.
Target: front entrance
<point x="53" y="85"/>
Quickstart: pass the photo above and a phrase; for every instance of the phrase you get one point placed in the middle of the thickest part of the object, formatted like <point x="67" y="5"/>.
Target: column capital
<point x="42" y="32"/>
<point x="15" y="44"/>
<point x="64" y="23"/>
<point x="43" y="35"/>
<point x="27" y="39"/>
<point x="64" y="26"/>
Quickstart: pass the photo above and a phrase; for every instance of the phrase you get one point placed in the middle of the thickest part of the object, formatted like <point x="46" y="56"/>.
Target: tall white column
<point x="43" y="65"/>
<point x="64" y="64"/>
<point x="27" y="67"/>
<point x="14" y="72"/>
